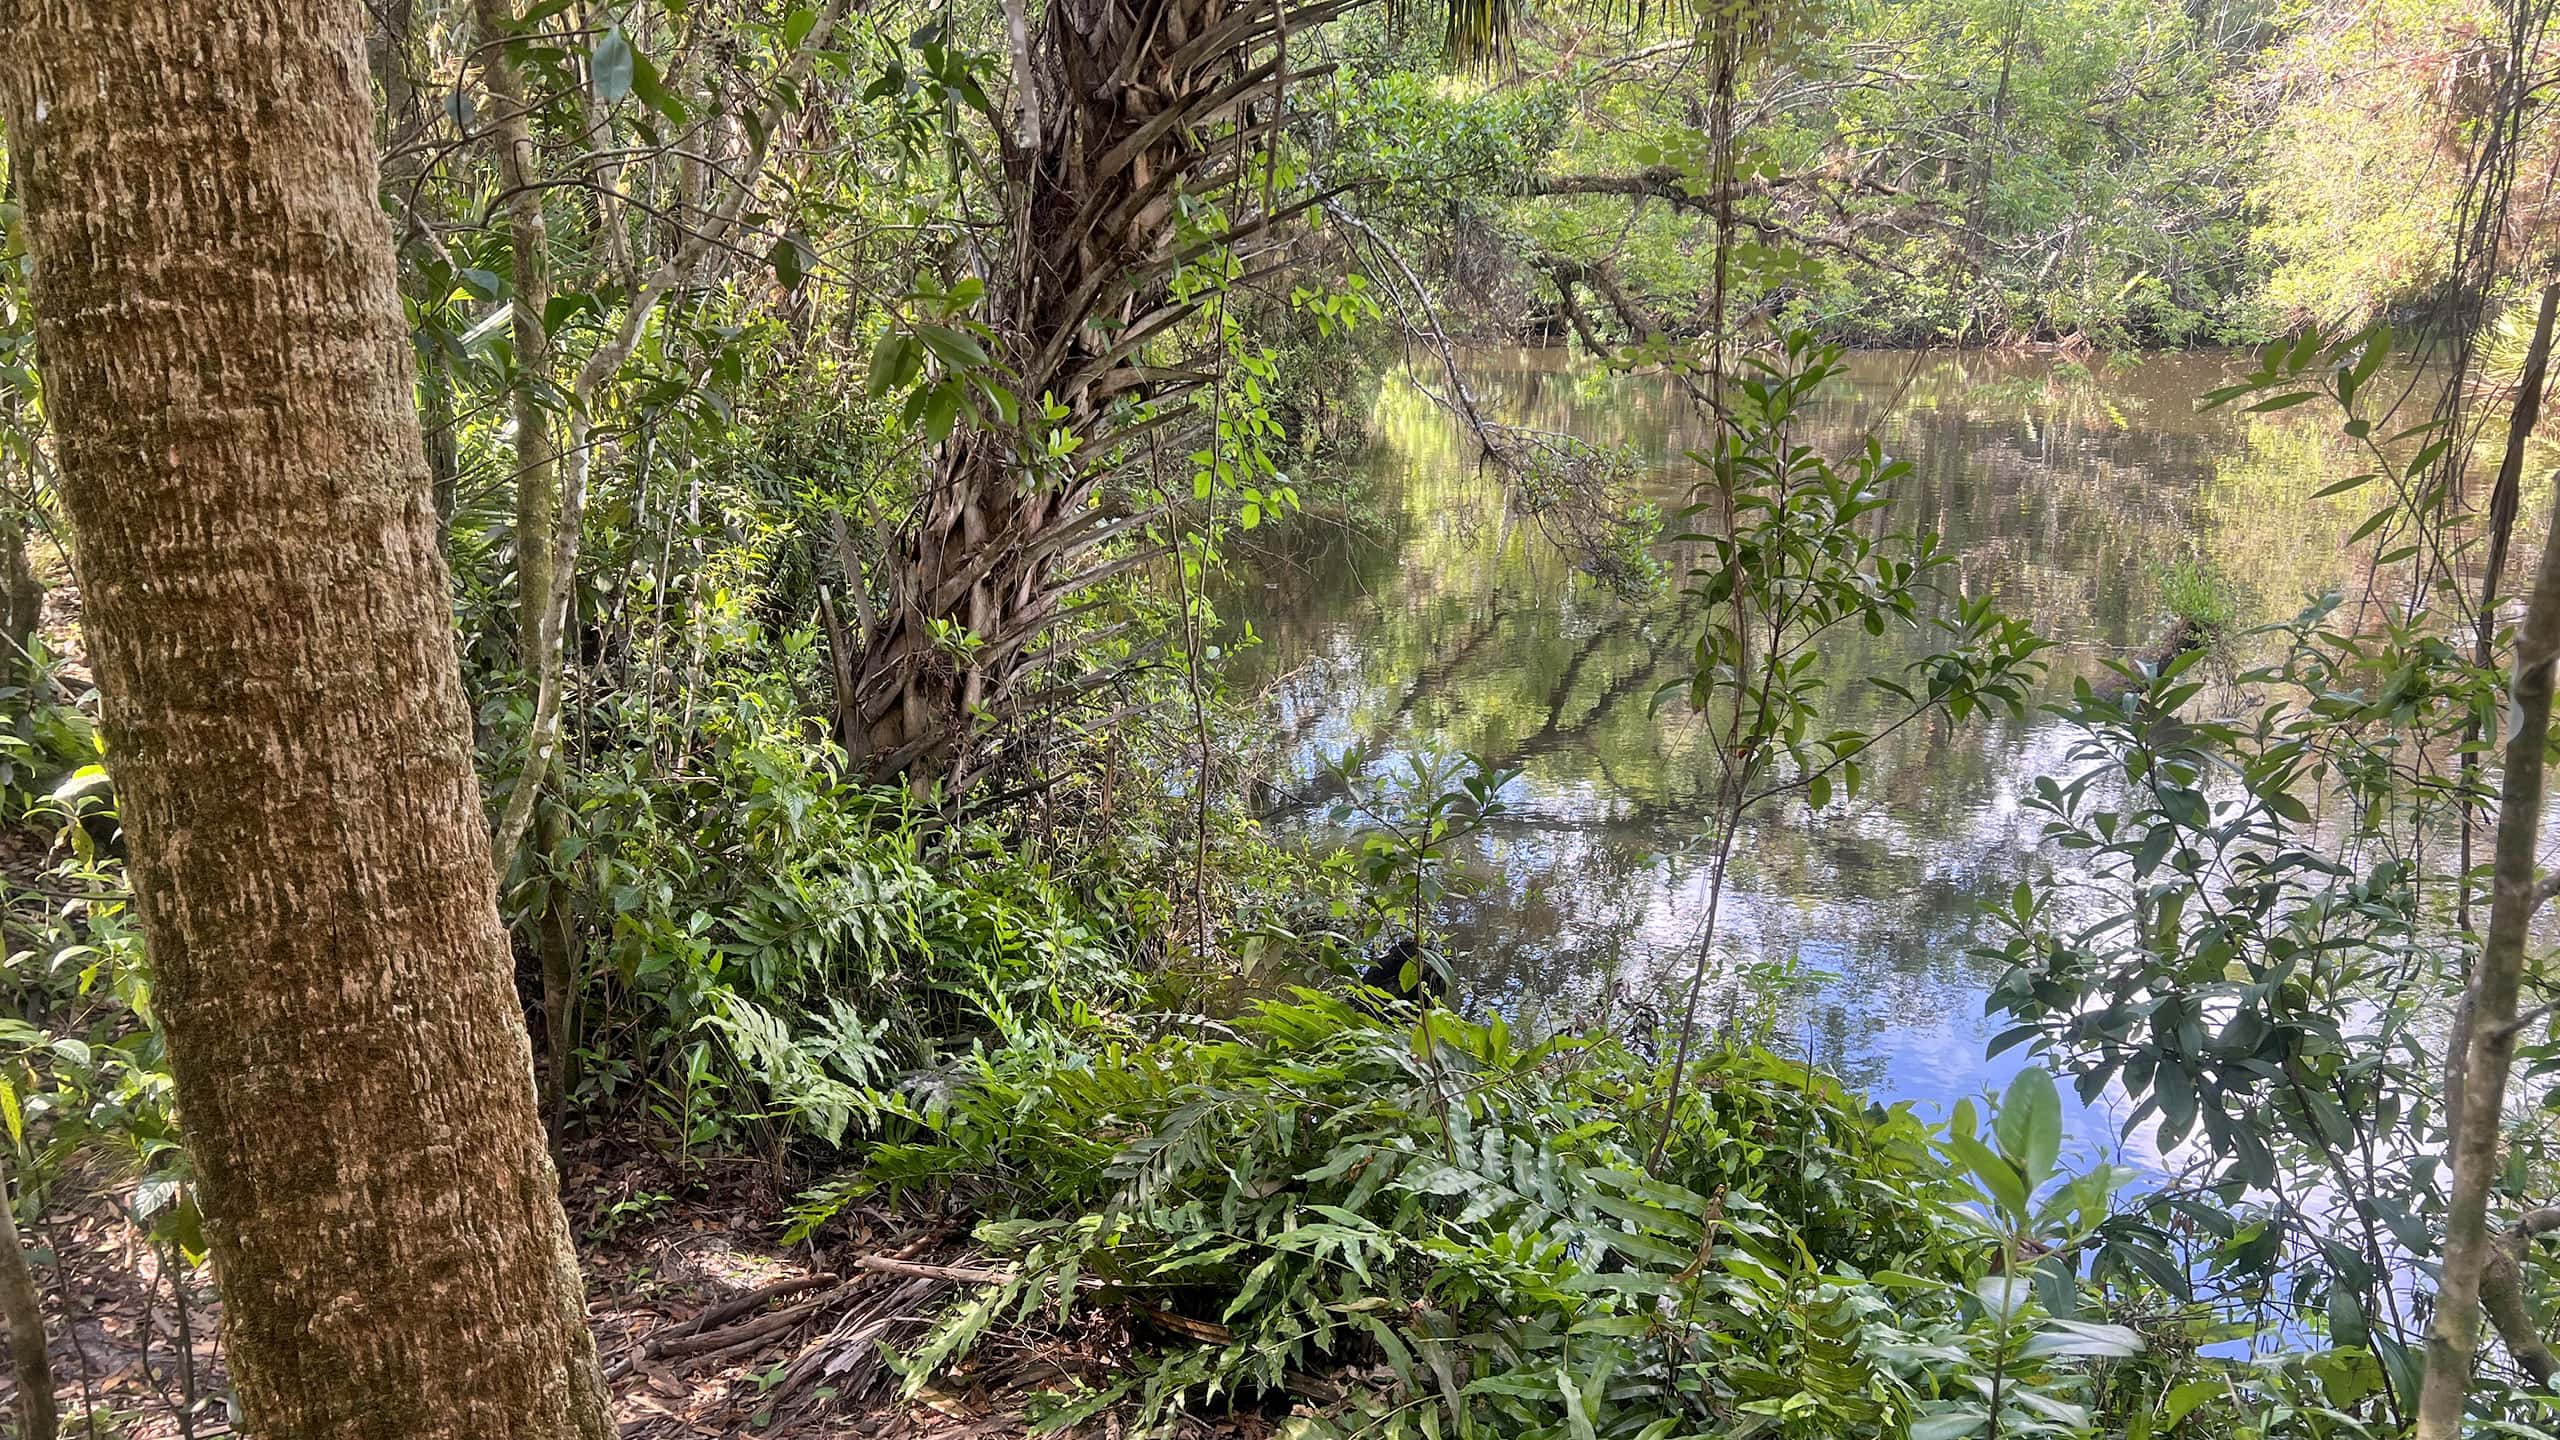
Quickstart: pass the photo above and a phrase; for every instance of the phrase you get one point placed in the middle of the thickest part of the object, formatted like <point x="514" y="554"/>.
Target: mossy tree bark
<point x="541" y="624"/>
<point x="21" y="591"/>
<point x="269" y="620"/>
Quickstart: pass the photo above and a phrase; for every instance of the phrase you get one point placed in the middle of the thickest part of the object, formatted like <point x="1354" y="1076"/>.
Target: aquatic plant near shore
<point x="2200" y="598"/>
<point x="2265" y="941"/>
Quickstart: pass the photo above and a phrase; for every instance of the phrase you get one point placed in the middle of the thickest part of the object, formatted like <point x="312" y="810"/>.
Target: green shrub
<point x="776" y="939"/>
<point x="1465" y="1236"/>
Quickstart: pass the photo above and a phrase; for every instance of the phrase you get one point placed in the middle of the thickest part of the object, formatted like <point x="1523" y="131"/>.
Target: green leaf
<point x="2376" y="351"/>
<point x="564" y="307"/>
<point x="2182" y="1400"/>
<point x="2000" y="1179"/>
<point x="2282" y="402"/>
<point x="1952" y="1424"/>
<point x="87" y="780"/>
<point x="2006" y="1297"/>
<point x="2346" y="1316"/>
<point x="652" y="89"/>
<point x="955" y="349"/>
<point x="942" y="410"/>
<point x="2085" y="1339"/>
<point x="613" y="64"/>
<point x="2029" y="1127"/>
<point x="792" y="257"/>
<point x="2401" y="1366"/>
<point x="1255" y="1282"/>
<point x="1576" y="1417"/>
<point x="889" y="359"/>
<point x="2175" y="1090"/>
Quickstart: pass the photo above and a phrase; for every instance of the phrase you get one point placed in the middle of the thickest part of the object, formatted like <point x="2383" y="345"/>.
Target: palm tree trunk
<point x="270" y="622"/>
<point x="1131" y="104"/>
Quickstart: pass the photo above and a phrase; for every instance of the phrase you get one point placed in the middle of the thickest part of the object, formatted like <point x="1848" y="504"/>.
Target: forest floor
<point x="707" y="1325"/>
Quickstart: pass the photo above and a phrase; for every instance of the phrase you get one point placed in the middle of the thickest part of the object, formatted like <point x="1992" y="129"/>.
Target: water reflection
<point x="2065" y="493"/>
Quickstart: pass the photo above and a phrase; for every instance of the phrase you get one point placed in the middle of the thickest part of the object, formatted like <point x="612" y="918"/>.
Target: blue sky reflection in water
<point x="2067" y="489"/>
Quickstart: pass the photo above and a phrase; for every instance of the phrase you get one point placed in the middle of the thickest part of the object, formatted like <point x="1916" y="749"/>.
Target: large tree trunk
<point x="1127" y="107"/>
<point x="269" y="621"/>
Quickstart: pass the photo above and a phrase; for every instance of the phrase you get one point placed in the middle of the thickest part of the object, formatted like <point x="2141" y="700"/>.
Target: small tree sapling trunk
<point x="2483" y="1057"/>
<point x="21" y="1306"/>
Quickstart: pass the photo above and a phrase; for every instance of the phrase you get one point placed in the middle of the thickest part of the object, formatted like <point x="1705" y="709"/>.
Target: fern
<point x="1289" y="1187"/>
<point x="822" y="1082"/>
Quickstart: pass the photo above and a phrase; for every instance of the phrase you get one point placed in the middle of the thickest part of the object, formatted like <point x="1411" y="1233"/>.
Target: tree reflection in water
<point x="2066" y="490"/>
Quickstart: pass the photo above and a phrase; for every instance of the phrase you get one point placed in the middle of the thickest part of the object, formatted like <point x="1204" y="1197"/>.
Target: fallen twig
<point x="746" y="1335"/>
<point x="716" y="1315"/>
<point x="961" y="1274"/>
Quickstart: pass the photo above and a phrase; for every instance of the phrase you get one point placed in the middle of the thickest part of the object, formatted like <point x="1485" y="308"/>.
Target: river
<point x="2067" y="489"/>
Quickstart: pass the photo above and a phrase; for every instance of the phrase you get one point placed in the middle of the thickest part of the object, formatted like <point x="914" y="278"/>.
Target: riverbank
<point x="1323" y="1222"/>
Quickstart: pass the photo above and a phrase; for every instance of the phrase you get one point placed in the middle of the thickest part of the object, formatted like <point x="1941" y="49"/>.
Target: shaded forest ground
<point x="707" y="1325"/>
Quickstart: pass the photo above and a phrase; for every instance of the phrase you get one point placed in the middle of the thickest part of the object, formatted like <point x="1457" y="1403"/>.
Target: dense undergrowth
<point x="1067" y="981"/>
<point x="1396" y="1219"/>
<point x="1441" y="1225"/>
<point x="1435" y="1226"/>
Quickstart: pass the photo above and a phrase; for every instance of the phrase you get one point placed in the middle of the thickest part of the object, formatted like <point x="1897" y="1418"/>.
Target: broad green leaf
<point x="1999" y="1178"/>
<point x="1950" y="1424"/>
<point x="2029" y="1127"/>
<point x="792" y="258"/>
<point x="1576" y="1418"/>
<point x="613" y="66"/>
<point x="888" y="362"/>
<point x="2005" y="1296"/>
<point x="2084" y="1339"/>
<point x="653" y="91"/>
<point x="957" y="350"/>
<point x="2182" y="1400"/>
<point x="942" y="410"/>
